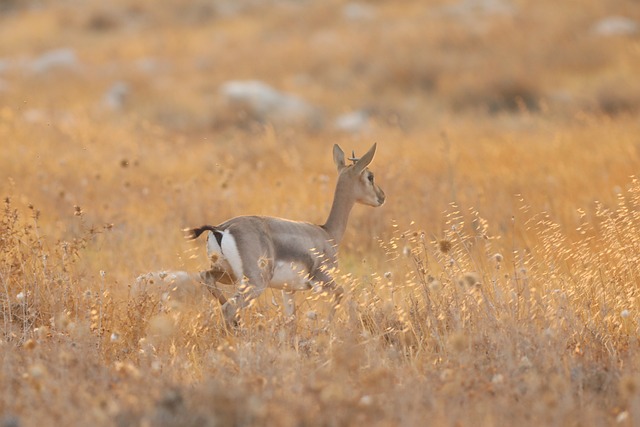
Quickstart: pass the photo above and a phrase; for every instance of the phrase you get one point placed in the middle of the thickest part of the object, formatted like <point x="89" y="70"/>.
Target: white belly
<point x="286" y="275"/>
<point x="290" y="276"/>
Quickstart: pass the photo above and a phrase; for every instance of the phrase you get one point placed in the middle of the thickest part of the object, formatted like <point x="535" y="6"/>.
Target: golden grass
<point x="497" y="286"/>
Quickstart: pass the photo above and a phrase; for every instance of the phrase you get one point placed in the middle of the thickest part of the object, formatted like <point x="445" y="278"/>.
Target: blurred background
<point x="208" y="66"/>
<point x="155" y="116"/>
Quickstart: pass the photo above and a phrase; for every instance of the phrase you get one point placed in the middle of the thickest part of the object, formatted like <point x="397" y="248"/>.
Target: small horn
<point x="353" y="157"/>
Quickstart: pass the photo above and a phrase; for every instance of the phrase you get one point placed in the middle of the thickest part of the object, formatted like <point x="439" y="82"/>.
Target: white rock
<point x="4" y="65"/>
<point x="622" y="417"/>
<point x="497" y="379"/>
<point x="33" y="115"/>
<point x="116" y="96"/>
<point x="615" y="26"/>
<point x="358" y="12"/>
<point x="267" y="103"/>
<point x="63" y="58"/>
<point x="468" y="8"/>
<point x="175" y="285"/>
<point x="353" y="122"/>
<point x="151" y="65"/>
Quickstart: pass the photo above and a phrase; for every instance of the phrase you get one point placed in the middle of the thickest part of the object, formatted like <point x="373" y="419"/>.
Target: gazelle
<point x="256" y="252"/>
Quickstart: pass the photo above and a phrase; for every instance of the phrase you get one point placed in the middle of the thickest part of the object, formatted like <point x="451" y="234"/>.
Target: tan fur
<point x="267" y="244"/>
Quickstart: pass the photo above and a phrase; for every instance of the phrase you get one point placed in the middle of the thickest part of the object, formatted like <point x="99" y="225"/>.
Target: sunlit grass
<point x="497" y="285"/>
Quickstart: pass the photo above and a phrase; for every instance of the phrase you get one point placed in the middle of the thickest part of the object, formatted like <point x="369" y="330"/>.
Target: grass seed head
<point x="62" y="321"/>
<point x="445" y="246"/>
<point x="470" y="280"/>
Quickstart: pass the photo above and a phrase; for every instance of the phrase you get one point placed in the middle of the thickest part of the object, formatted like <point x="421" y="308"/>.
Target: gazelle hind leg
<point x="209" y="279"/>
<point x="248" y="290"/>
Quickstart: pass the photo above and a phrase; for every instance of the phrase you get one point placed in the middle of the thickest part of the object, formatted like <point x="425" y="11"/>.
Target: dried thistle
<point x="470" y="279"/>
<point x="445" y="246"/>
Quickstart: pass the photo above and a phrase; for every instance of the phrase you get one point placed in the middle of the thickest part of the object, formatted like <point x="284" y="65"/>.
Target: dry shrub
<point x="37" y="281"/>
<point x="529" y="322"/>
<point x="511" y="308"/>
<point x="619" y="97"/>
<point x="506" y="95"/>
<point x="101" y="20"/>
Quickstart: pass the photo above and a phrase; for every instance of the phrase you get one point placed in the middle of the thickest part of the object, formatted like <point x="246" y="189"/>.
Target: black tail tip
<point x="194" y="233"/>
<point x="190" y="233"/>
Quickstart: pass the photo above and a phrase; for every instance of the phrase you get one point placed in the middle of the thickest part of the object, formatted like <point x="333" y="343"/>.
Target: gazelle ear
<point x="365" y="160"/>
<point x="338" y="157"/>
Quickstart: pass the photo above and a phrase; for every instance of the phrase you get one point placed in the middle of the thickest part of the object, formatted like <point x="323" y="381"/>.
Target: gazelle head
<point x="356" y="179"/>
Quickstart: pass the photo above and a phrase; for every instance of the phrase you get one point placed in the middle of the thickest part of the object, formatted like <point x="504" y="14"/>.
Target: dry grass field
<point x="499" y="285"/>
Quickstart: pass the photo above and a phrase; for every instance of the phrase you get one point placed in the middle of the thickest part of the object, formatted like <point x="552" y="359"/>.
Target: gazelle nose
<point x="381" y="198"/>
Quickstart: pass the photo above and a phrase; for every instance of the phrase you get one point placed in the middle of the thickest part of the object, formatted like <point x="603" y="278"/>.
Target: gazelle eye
<point x="371" y="178"/>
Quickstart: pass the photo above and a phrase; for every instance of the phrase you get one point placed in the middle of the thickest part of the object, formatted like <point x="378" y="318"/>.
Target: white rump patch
<point x="213" y="248"/>
<point x="229" y="251"/>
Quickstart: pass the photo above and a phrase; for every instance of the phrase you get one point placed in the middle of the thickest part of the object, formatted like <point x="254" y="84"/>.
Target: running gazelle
<point x="256" y="252"/>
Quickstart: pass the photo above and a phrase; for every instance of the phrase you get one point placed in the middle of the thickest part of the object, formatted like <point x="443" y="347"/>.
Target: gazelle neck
<point x="343" y="202"/>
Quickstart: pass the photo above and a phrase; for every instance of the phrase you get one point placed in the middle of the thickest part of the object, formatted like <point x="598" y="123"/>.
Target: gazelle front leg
<point x="289" y="303"/>
<point x="323" y="281"/>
